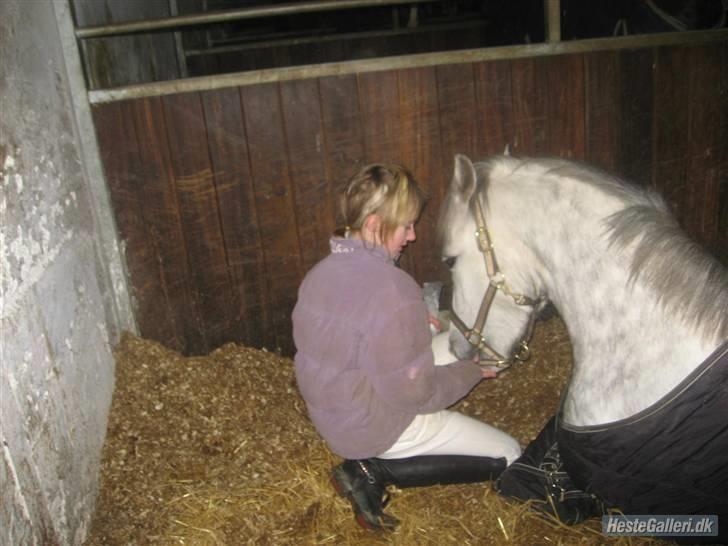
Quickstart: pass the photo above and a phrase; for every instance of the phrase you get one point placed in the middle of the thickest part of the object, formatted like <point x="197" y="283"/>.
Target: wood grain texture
<point x="602" y="111"/>
<point x="275" y="205"/>
<point x="343" y="138"/>
<point x="379" y="112"/>
<point x="459" y="129"/>
<point x="635" y="123"/>
<point x="125" y="179"/>
<point x="671" y="133"/>
<point x="494" y="115"/>
<point x="225" y="199"/>
<point x="227" y="143"/>
<point x="163" y="216"/>
<point x="566" y="133"/>
<point x="529" y="84"/>
<point x="705" y="147"/>
<point x="307" y="167"/>
<point x="456" y="97"/>
<point x="421" y="153"/>
<point x="209" y="274"/>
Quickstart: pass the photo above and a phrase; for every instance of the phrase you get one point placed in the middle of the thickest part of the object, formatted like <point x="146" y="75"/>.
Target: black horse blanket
<point x="671" y="458"/>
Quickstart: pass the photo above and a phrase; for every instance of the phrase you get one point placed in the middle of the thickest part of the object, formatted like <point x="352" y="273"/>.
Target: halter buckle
<point x="498" y="280"/>
<point x="483" y="237"/>
<point x="523" y="352"/>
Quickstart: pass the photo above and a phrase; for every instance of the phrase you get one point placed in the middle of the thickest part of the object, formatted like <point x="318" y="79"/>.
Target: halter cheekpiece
<point x="497" y="281"/>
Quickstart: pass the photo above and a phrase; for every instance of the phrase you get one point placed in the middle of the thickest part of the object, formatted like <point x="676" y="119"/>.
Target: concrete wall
<point x="63" y="299"/>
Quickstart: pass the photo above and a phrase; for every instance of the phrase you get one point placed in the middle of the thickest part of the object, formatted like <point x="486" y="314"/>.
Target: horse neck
<point x="628" y="351"/>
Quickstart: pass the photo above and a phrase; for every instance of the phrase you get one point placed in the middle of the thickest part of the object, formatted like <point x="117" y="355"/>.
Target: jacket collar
<point x="340" y="245"/>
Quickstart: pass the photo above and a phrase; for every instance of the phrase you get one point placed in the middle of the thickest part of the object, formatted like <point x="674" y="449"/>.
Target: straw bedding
<point x="218" y="450"/>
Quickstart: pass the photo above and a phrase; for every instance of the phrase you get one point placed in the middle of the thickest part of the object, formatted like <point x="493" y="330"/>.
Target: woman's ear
<point x="372" y="228"/>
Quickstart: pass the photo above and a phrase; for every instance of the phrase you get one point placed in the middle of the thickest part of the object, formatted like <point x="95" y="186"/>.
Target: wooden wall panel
<point x="529" y="79"/>
<point x="379" y="107"/>
<point x="226" y="198"/>
<point x="379" y="110"/>
<point x="635" y="122"/>
<point x="671" y="133"/>
<point x="343" y="141"/>
<point x="209" y="274"/>
<point x="228" y="148"/>
<point x="120" y="156"/>
<point x="602" y="112"/>
<point x="304" y="139"/>
<point x="459" y="131"/>
<point x="705" y="147"/>
<point x="274" y="199"/>
<point x="458" y="120"/>
<point x="164" y="224"/>
<point x="494" y="117"/>
<point x="565" y="106"/>
<point x="420" y="151"/>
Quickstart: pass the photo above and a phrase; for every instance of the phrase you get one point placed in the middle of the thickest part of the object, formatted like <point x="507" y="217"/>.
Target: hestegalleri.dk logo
<point x="660" y="525"/>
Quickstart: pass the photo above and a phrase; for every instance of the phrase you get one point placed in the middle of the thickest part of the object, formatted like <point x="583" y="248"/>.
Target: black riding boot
<point x="364" y="482"/>
<point x="361" y="483"/>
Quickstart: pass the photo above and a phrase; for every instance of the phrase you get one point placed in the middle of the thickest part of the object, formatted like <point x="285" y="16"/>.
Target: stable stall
<point x="224" y="187"/>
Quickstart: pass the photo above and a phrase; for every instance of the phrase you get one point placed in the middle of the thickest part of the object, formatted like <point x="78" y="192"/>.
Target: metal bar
<point x="238" y="79"/>
<point x="552" y="10"/>
<point x="178" y="43"/>
<point x="169" y="23"/>
<point x="249" y="37"/>
<point x="216" y="50"/>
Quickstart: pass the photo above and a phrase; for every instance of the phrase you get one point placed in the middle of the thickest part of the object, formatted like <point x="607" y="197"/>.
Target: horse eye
<point x="449" y="261"/>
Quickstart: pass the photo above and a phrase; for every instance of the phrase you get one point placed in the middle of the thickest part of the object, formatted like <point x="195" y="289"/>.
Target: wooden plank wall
<point x="224" y="199"/>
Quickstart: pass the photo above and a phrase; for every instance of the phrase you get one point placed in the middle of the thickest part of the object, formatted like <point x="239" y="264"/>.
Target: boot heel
<point x="340" y="483"/>
<point x="364" y="493"/>
<point x="373" y="522"/>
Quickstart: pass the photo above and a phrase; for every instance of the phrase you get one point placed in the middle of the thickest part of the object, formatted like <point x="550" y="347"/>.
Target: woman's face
<point x="399" y="239"/>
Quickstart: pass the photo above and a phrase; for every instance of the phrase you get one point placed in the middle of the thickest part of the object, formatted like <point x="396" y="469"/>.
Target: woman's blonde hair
<point x="387" y="190"/>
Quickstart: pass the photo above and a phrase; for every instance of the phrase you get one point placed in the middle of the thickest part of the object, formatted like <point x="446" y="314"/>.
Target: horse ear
<point x="464" y="178"/>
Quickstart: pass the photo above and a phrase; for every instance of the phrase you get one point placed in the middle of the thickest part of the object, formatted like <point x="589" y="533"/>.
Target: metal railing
<point x="181" y="21"/>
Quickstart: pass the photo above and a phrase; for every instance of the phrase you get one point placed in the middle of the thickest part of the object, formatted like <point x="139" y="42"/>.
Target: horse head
<point x="491" y="309"/>
<point x="636" y="294"/>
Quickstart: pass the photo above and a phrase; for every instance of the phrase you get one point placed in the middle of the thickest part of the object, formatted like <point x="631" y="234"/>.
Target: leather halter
<point x="497" y="281"/>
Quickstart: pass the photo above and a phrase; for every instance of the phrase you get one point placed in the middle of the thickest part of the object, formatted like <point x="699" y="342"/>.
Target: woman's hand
<point x="435" y="325"/>
<point x="488" y="373"/>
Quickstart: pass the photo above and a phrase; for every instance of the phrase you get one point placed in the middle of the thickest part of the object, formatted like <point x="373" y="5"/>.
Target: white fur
<point x="547" y="220"/>
<point x="441" y="349"/>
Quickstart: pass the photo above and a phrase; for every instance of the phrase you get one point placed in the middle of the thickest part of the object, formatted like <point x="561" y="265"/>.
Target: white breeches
<point x="451" y="433"/>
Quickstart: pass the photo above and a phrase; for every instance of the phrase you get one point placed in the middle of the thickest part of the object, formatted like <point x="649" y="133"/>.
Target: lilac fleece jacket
<point x="364" y="364"/>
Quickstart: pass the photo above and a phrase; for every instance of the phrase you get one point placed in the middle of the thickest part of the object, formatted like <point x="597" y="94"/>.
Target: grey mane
<point x="689" y="282"/>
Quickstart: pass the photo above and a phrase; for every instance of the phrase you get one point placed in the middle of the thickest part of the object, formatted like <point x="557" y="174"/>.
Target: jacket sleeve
<point x="400" y="364"/>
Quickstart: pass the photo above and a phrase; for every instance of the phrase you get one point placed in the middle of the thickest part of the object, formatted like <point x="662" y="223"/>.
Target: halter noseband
<point x="474" y="335"/>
